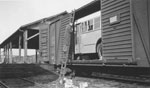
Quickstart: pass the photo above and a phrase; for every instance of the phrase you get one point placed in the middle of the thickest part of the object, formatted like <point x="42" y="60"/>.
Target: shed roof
<point x="14" y="38"/>
<point x="31" y="27"/>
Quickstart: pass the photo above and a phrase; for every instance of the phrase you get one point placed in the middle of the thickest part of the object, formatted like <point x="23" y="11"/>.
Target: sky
<point x="15" y="13"/>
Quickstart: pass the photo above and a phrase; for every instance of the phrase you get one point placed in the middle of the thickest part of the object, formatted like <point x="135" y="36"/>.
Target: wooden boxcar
<point x="51" y="39"/>
<point x="125" y="32"/>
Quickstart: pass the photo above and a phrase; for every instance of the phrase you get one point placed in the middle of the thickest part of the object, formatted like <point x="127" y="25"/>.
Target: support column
<point x="8" y="53"/>
<point x="0" y="55"/>
<point x="36" y="56"/>
<point x="10" y="58"/>
<point x="4" y="54"/>
<point x="25" y="44"/>
<point x="20" y="47"/>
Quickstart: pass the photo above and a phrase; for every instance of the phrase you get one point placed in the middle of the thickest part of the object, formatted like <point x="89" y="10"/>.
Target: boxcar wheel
<point x="99" y="50"/>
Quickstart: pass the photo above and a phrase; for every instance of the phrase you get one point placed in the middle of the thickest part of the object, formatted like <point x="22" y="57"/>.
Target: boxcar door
<point x="63" y="23"/>
<point x="117" y="32"/>
<point x="52" y="43"/>
<point x="43" y="43"/>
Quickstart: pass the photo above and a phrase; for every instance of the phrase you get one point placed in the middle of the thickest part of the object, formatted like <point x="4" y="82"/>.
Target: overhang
<point x="87" y="9"/>
<point x="32" y="28"/>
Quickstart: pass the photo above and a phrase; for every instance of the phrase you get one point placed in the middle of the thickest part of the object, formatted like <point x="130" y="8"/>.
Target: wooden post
<point x="36" y="58"/>
<point x="20" y="47"/>
<point x="25" y="44"/>
<point x="0" y="55"/>
<point x="7" y="49"/>
<point x="10" y="58"/>
<point x="8" y="52"/>
<point x="4" y="54"/>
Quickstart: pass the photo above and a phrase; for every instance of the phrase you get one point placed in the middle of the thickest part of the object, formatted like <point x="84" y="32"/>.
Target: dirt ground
<point x="80" y="82"/>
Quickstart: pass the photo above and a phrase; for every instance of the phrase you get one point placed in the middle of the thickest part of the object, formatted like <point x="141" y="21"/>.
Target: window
<point x="97" y="23"/>
<point x="77" y="32"/>
<point x="90" y="25"/>
<point x="84" y="26"/>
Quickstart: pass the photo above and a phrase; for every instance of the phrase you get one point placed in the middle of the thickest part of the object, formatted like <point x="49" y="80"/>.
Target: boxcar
<point x="125" y="32"/>
<point x="51" y="39"/>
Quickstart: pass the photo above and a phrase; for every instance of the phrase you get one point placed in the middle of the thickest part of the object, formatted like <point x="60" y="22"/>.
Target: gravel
<point x="80" y="82"/>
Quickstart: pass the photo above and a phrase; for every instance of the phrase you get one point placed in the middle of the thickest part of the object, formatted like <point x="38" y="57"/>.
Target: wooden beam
<point x="20" y="47"/>
<point x="33" y="36"/>
<point x="8" y="52"/>
<point x="25" y="44"/>
<point x="10" y="58"/>
<point x="4" y="54"/>
<point x="36" y="58"/>
<point x="0" y="54"/>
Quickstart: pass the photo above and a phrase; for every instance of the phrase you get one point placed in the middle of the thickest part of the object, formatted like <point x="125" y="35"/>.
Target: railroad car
<point x="123" y="35"/>
<point x="125" y="32"/>
<point x="122" y="39"/>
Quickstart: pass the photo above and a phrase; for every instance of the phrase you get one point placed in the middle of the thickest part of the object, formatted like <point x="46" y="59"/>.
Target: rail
<point x="23" y="82"/>
<point x="144" y="79"/>
<point x="3" y="85"/>
<point x="24" y="79"/>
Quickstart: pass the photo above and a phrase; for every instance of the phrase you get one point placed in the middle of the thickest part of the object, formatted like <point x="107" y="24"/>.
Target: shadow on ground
<point x="26" y="70"/>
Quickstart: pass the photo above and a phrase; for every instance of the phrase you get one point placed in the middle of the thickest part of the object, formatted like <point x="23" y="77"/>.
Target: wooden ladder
<point x="64" y="62"/>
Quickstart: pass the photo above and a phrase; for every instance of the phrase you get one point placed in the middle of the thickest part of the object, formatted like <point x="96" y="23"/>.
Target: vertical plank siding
<point x="117" y="38"/>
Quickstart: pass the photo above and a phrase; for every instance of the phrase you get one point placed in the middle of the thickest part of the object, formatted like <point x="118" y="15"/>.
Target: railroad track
<point x="112" y="73"/>
<point x="131" y="79"/>
<point x="16" y="83"/>
<point x="27" y="80"/>
<point x="141" y="79"/>
<point x="3" y="85"/>
<point x="105" y="83"/>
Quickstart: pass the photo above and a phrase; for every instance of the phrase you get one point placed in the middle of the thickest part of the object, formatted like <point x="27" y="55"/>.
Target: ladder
<point x="64" y="62"/>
